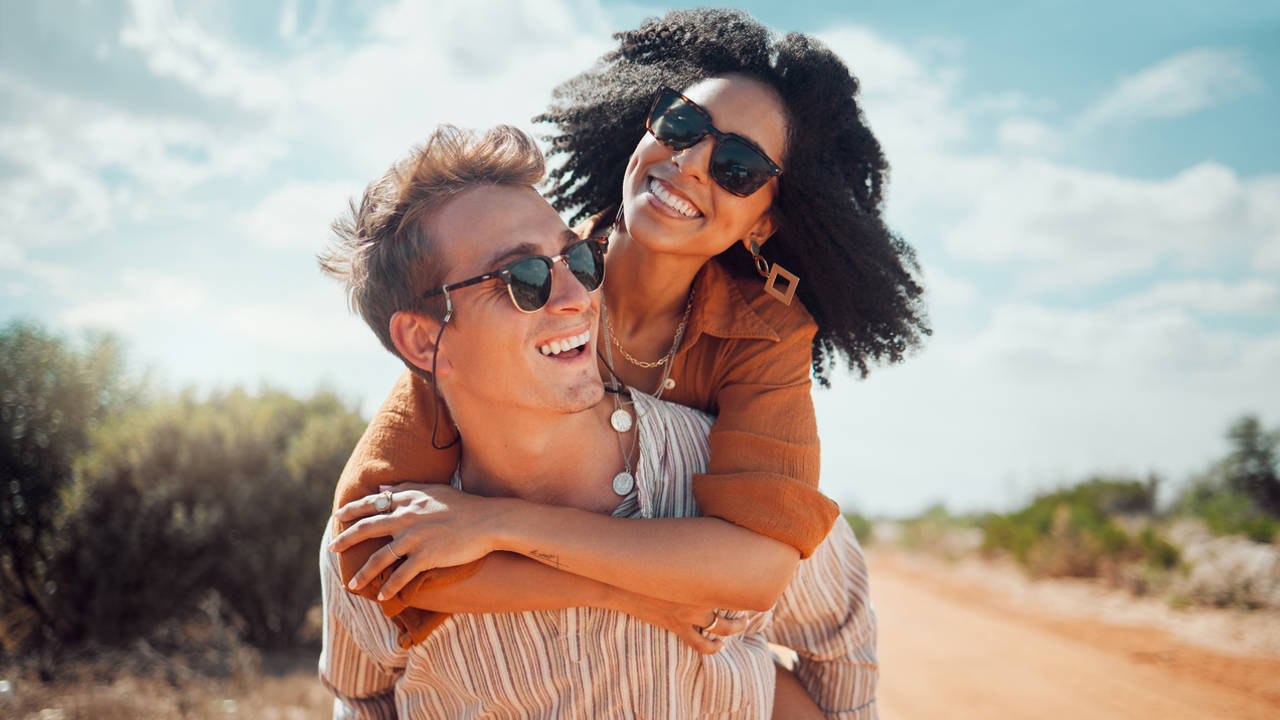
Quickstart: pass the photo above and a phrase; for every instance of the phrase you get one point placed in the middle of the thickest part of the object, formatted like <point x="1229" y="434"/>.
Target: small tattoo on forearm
<point x="548" y="558"/>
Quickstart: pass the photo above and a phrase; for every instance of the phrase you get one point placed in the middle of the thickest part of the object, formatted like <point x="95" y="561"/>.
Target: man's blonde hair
<point x="382" y="252"/>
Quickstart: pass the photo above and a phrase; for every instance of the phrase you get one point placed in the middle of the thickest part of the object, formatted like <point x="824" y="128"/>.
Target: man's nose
<point x="568" y="294"/>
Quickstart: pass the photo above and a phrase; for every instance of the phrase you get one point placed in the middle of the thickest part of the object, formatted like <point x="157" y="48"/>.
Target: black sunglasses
<point x="528" y="279"/>
<point x="737" y="164"/>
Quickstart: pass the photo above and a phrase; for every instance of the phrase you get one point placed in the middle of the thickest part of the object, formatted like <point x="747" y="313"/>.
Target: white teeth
<point x="670" y="200"/>
<point x="555" y="347"/>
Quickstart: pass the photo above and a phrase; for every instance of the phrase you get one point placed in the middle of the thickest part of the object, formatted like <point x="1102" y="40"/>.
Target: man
<point x="510" y="346"/>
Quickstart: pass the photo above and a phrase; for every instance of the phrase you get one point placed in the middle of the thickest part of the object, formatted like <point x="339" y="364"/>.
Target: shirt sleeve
<point x="765" y="457"/>
<point x="396" y="448"/>
<point x="825" y="616"/>
<point x="360" y="659"/>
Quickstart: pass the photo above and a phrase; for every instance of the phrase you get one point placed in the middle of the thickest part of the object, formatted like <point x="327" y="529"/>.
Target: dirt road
<point x="952" y="649"/>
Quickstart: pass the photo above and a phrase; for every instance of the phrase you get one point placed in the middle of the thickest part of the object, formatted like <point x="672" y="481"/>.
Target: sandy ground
<point x="980" y="641"/>
<point x="971" y="639"/>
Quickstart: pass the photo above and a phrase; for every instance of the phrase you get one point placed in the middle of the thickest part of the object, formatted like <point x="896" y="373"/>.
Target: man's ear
<point x="414" y="335"/>
<point x="762" y="230"/>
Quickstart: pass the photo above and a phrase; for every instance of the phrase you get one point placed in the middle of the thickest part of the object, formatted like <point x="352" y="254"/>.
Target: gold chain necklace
<point x="675" y="342"/>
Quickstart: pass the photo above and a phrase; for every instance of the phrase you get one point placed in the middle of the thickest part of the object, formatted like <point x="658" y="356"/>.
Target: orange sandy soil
<point x="980" y="641"/>
<point x="957" y="640"/>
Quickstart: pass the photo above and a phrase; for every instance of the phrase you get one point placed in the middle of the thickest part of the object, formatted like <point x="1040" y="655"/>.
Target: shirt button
<point x="669" y="383"/>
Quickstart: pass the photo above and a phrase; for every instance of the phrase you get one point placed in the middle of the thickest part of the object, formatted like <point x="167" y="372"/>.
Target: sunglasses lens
<point x="675" y="123"/>
<point x="586" y="262"/>
<point x="738" y="168"/>
<point x="530" y="282"/>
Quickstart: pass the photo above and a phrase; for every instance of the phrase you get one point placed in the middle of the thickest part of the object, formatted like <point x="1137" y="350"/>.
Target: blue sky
<point x="1093" y="188"/>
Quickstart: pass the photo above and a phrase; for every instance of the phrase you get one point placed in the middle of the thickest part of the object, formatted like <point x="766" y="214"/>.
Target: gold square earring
<point x="771" y="275"/>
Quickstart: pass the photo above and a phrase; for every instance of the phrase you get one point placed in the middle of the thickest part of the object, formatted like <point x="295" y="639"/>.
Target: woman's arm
<point x="512" y="583"/>
<point x="749" y="365"/>
<point x="396" y="447"/>
<point x="703" y="562"/>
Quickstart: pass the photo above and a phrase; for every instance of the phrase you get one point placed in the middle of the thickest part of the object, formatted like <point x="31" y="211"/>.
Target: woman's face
<point x="670" y="201"/>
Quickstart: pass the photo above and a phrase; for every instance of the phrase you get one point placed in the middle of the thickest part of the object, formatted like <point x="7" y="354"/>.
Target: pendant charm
<point x="668" y="384"/>
<point x="623" y="483"/>
<point x="621" y="421"/>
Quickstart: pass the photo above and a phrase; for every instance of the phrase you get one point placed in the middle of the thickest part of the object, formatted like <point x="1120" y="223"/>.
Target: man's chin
<point x="578" y="397"/>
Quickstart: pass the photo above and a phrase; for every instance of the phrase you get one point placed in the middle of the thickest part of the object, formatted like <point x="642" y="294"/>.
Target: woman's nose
<point x="695" y="161"/>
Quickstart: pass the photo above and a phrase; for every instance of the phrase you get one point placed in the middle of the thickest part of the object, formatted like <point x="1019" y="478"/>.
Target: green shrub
<point x="1156" y="551"/>
<point x="1072" y="532"/>
<point x="185" y="497"/>
<point x="1228" y="512"/>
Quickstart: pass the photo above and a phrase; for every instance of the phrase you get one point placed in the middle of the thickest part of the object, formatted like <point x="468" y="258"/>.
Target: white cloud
<point x="298" y="326"/>
<point x="54" y="279"/>
<point x="1038" y="342"/>
<point x="906" y="100"/>
<point x="1068" y="226"/>
<point x="1262" y="214"/>
<point x="87" y="166"/>
<point x="1027" y="135"/>
<point x="471" y="64"/>
<point x="1180" y="85"/>
<point x="1210" y="296"/>
<point x="178" y="46"/>
<point x="139" y="298"/>
<point x="947" y="290"/>
<point x="298" y="214"/>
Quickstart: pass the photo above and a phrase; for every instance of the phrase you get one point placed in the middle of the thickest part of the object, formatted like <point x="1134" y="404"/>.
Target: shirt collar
<point x="719" y="309"/>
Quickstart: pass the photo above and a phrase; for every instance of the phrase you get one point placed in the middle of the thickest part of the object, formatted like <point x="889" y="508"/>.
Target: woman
<point x="761" y="144"/>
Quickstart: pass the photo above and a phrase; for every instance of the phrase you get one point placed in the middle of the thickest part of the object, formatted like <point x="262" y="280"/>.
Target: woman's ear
<point x="414" y="335"/>
<point x="762" y="230"/>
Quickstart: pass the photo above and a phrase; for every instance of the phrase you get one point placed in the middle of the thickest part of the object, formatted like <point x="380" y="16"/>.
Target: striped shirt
<point x="598" y="663"/>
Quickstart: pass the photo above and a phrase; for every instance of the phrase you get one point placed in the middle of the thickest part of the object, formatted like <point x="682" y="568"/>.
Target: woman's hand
<point x="430" y="526"/>
<point x="702" y="629"/>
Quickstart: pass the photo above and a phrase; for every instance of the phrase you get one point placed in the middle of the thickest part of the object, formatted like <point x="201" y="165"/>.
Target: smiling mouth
<point x="676" y="204"/>
<point x="570" y="347"/>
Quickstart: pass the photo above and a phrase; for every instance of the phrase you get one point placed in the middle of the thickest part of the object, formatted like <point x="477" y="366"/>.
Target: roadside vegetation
<point x="153" y="534"/>
<point x="1217" y="543"/>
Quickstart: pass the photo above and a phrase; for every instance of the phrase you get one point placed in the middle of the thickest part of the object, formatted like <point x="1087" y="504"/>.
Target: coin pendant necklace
<point x="624" y="482"/>
<point x="621" y="421"/>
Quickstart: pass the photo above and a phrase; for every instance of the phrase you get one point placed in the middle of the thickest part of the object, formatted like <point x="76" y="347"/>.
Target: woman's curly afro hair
<point x="858" y="279"/>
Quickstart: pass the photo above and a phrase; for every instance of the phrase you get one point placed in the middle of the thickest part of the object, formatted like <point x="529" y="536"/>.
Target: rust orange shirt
<point x="745" y="358"/>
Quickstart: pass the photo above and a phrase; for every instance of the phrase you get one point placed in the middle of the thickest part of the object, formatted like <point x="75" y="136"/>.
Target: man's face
<point x="494" y="351"/>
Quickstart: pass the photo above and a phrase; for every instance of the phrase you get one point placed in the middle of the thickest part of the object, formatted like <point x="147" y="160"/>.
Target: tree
<point x="1240" y="494"/>
<point x="1251" y="468"/>
<point x="51" y="394"/>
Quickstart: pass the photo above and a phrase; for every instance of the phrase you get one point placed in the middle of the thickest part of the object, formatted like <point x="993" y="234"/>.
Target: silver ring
<point x="397" y="555"/>
<point x="383" y="503"/>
